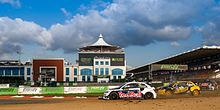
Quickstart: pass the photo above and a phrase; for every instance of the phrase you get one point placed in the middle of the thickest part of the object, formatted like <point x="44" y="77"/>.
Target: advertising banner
<point x="74" y="90"/>
<point x="53" y="90"/>
<point x="29" y="90"/>
<point x="168" y="67"/>
<point x="8" y="91"/>
<point x="96" y="89"/>
<point x="4" y="85"/>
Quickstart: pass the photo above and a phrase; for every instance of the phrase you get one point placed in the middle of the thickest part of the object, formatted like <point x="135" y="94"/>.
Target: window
<point x="101" y="62"/>
<point x="96" y="62"/>
<point x="28" y="79"/>
<point x="67" y="71"/>
<point x="106" y="71"/>
<point x="75" y="71"/>
<point x="7" y="71"/>
<point x="28" y="71"/>
<point x="142" y="86"/>
<point x="86" y="71"/>
<point x="88" y="78"/>
<point x="101" y="71"/>
<point x="106" y="62"/>
<point x="83" y="78"/>
<point x="22" y="71"/>
<point x="15" y="71"/>
<point x="114" y="77"/>
<point x="67" y="79"/>
<point x="117" y="71"/>
<point x="119" y="77"/>
<point x="75" y="79"/>
<point x="96" y="71"/>
<point x="131" y="86"/>
<point x="1" y="71"/>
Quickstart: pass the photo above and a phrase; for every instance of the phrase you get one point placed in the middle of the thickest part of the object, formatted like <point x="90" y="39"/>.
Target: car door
<point x="130" y="91"/>
<point x="181" y="87"/>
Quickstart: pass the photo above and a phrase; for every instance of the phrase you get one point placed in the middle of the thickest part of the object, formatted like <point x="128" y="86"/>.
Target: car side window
<point x="130" y="86"/>
<point x="142" y="86"/>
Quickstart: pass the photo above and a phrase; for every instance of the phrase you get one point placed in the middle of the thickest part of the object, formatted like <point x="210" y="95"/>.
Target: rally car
<point x="132" y="90"/>
<point x="179" y="87"/>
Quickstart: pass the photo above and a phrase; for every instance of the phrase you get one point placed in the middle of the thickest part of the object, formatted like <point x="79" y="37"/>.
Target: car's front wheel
<point x="113" y="96"/>
<point x="195" y="92"/>
<point x="148" y="95"/>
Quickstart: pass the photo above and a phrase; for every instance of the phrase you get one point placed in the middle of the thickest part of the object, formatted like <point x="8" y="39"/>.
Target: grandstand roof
<point x="182" y="58"/>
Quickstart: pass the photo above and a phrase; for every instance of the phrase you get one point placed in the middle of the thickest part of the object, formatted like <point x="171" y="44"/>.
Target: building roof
<point x="100" y="42"/>
<point x="182" y="58"/>
<point x="101" y="46"/>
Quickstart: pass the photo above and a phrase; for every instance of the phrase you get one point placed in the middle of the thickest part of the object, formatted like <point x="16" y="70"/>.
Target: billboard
<point x="29" y="90"/>
<point x="86" y="59"/>
<point x="155" y="67"/>
<point x="74" y="90"/>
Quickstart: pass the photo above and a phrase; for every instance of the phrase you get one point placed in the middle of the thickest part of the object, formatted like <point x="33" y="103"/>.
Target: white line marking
<point x="17" y="96"/>
<point x="58" y="97"/>
<point x="37" y="97"/>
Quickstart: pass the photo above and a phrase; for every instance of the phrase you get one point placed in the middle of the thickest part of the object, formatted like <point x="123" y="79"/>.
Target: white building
<point x="100" y="60"/>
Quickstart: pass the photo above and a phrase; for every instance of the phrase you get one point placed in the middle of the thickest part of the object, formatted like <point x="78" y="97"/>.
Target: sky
<point x="148" y="30"/>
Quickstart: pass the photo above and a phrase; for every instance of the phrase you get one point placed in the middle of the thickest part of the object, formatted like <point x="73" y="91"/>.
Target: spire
<point x="100" y="36"/>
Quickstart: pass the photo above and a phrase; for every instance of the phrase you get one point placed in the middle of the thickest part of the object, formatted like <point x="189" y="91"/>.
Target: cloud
<point x="15" y="33"/>
<point x="174" y="44"/>
<point x="211" y="32"/>
<point x="15" y="3"/>
<point x="138" y="22"/>
<point x="65" y="12"/>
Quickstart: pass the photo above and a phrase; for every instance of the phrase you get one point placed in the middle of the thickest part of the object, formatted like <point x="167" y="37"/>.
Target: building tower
<point x="101" y="62"/>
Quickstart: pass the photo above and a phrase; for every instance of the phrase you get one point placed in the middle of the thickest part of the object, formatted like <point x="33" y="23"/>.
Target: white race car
<point x="131" y="90"/>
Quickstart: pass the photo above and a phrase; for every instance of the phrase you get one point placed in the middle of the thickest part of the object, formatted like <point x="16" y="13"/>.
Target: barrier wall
<point x="53" y="90"/>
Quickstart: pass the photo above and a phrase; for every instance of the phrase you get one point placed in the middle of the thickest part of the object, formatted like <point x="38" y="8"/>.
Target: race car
<point x="179" y="87"/>
<point x="131" y="90"/>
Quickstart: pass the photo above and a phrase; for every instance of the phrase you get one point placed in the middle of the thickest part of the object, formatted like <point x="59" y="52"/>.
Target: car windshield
<point x="121" y="86"/>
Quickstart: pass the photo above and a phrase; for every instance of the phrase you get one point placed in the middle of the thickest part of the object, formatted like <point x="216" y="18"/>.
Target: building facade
<point x="49" y="69"/>
<point x="12" y="71"/>
<point x="100" y="61"/>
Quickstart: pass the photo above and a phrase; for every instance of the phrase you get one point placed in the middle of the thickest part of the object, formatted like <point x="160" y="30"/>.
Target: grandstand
<point x="199" y="63"/>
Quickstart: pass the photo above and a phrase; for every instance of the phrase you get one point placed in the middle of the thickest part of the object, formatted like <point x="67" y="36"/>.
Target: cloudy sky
<point x="148" y="29"/>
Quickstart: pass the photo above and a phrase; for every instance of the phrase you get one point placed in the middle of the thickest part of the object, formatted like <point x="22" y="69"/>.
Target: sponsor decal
<point x="29" y="90"/>
<point x="129" y="94"/>
<point x="73" y="90"/>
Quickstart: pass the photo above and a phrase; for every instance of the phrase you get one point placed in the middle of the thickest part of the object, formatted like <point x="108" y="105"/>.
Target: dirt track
<point x="191" y="103"/>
